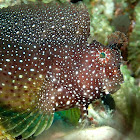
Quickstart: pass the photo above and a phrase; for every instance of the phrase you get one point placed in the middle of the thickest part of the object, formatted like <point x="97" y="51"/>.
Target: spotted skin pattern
<point x="46" y="63"/>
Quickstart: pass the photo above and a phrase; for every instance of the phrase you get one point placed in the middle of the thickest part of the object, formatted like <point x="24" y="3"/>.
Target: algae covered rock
<point x="134" y="44"/>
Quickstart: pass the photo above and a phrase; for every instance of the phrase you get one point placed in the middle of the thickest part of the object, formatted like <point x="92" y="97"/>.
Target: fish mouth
<point x="112" y="86"/>
<point x="112" y="89"/>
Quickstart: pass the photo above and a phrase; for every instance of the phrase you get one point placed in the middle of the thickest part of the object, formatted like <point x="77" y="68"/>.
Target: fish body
<point x="47" y="65"/>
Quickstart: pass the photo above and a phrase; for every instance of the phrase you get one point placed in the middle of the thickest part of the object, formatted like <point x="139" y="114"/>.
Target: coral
<point x="99" y="116"/>
<point x="101" y="12"/>
<point x="6" y="3"/>
<point x="100" y="133"/>
<point x="134" y="45"/>
<point x="118" y="38"/>
<point x="127" y="101"/>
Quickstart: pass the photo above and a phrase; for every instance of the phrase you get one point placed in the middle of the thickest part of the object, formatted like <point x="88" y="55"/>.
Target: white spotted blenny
<point x="47" y="65"/>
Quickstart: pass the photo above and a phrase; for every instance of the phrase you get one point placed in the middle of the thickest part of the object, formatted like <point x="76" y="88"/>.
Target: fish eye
<point x="102" y="55"/>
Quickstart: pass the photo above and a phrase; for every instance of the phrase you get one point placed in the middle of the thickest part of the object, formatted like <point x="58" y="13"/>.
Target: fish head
<point x="106" y="62"/>
<point x="100" y="71"/>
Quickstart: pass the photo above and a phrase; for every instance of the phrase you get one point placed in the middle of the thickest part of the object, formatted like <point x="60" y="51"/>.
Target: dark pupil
<point x="102" y="55"/>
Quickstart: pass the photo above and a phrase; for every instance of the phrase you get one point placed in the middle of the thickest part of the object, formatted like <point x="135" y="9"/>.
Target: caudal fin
<point x="24" y="123"/>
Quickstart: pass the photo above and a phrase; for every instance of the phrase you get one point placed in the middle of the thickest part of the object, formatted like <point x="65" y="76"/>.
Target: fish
<point x="48" y="65"/>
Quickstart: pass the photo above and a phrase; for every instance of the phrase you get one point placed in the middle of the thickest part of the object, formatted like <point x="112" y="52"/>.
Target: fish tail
<point x="71" y="116"/>
<point x="26" y="123"/>
<point x="45" y="123"/>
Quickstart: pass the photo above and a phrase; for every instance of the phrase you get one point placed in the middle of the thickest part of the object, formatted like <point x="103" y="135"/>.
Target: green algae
<point x="127" y="100"/>
<point x="134" y="44"/>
